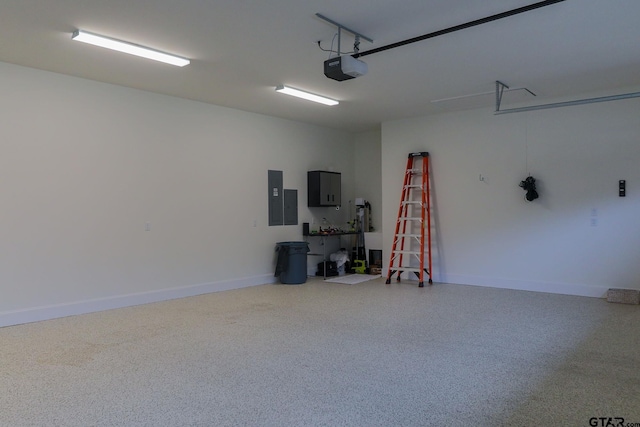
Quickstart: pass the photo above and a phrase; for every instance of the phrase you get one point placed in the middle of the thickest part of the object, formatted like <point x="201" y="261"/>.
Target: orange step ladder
<point x="414" y="217"/>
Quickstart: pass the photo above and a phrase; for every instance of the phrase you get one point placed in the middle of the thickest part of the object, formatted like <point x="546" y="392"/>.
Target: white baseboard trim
<point x="520" y="285"/>
<point x="526" y="285"/>
<point x="37" y="314"/>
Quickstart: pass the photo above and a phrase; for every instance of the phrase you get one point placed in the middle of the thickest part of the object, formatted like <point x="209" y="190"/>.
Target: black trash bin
<point x="292" y="262"/>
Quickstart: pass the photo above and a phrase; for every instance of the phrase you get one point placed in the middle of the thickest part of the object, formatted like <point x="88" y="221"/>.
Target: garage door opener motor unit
<point x="344" y="67"/>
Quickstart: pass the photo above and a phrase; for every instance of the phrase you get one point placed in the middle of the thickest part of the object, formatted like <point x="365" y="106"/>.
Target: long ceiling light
<point x="305" y="95"/>
<point x="130" y="48"/>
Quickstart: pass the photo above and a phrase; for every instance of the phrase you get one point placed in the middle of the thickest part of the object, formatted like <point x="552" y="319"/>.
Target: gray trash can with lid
<point x="292" y="262"/>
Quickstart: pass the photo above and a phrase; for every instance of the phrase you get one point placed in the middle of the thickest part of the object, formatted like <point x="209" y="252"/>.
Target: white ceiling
<point x="242" y="49"/>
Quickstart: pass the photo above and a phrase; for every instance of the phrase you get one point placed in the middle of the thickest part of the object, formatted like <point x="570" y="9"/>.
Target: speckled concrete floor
<point x="324" y="354"/>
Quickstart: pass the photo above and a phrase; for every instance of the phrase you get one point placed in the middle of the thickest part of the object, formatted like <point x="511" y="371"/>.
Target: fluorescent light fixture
<point x="305" y="95"/>
<point x="133" y="49"/>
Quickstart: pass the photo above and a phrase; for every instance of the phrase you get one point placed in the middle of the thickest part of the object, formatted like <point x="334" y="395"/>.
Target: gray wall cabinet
<point x="323" y="188"/>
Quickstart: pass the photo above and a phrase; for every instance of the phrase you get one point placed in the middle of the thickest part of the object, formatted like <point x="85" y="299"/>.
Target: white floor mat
<point x="352" y="279"/>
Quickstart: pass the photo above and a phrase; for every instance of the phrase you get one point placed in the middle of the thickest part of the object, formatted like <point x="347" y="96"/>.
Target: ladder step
<point x="406" y="218"/>
<point x="413" y="269"/>
<point x="407" y="235"/>
<point x="412" y="202"/>
<point x="404" y="252"/>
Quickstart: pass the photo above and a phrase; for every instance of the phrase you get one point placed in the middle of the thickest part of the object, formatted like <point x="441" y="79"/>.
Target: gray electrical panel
<point x="290" y="207"/>
<point x="276" y="198"/>
<point x="283" y="204"/>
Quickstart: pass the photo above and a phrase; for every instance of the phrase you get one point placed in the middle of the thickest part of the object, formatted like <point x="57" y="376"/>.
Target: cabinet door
<point x="334" y="189"/>
<point x="326" y="189"/>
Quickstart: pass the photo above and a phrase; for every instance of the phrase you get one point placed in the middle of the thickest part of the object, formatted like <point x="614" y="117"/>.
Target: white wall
<point x="578" y="238"/>
<point x="368" y="182"/>
<point x="365" y="176"/>
<point x="368" y="172"/>
<point x="86" y="165"/>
